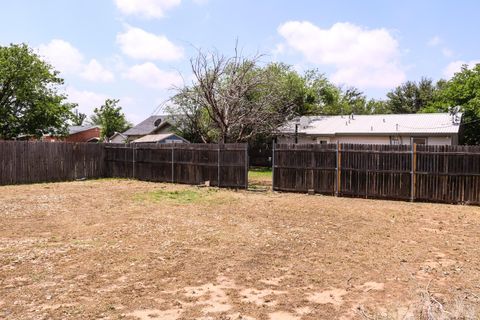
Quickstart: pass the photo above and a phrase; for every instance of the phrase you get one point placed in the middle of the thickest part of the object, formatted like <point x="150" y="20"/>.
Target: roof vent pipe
<point x="397" y="126"/>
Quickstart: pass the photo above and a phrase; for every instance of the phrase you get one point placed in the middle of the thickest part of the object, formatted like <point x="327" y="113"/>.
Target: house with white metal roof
<point x="420" y="128"/>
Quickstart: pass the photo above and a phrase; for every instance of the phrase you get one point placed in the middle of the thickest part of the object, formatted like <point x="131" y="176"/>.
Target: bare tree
<point x="232" y="99"/>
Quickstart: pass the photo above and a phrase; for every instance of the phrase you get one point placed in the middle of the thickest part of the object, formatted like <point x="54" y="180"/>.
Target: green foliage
<point x="205" y="109"/>
<point x="411" y="97"/>
<point x="110" y="118"/>
<point x="260" y="173"/>
<point x="30" y="104"/>
<point x="179" y="196"/>
<point x="263" y="99"/>
<point x="189" y="195"/>
<point x="462" y="90"/>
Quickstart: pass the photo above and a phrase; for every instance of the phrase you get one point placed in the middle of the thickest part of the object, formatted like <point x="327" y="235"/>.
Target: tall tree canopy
<point x="110" y="118"/>
<point x="411" y="97"/>
<point x="462" y="90"/>
<point x="30" y="104"/>
<point x="235" y="99"/>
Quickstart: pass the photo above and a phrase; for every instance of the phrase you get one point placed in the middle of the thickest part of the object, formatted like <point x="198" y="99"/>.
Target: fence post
<point x="173" y="162"/>
<point x="247" y="165"/>
<point x="125" y="168"/>
<point x="133" y="160"/>
<point x="273" y="165"/>
<point x="338" y="169"/>
<point x="367" y="180"/>
<point x="412" y="172"/>
<point x="312" y="169"/>
<point x="75" y="162"/>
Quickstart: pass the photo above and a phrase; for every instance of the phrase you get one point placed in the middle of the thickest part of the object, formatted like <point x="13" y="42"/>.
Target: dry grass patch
<point x="136" y="250"/>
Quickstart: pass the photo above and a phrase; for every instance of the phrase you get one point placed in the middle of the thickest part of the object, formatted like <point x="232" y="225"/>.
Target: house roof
<point x="159" y="138"/>
<point x="77" y="129"/>
<point x="419" y="123"/>
<point x="117" y="134"/>
<point x="148" y="125"/>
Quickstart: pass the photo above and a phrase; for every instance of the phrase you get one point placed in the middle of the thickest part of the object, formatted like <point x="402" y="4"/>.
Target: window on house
<point x="322" y="141"/>
<point x="420" y="140"/>
<point x="395" y="140"/>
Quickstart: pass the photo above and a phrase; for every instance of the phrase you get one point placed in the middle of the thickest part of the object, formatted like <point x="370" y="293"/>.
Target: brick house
<point x="78" y="134"/>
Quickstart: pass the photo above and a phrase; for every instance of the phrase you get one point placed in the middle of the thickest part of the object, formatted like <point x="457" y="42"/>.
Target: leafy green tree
<point x="411" y="97"/>
<point x="321" y="96"/>
<point x="288" y="87"/>
<point x="324" y="98"/>
<point x="463" y="90"/>
<point x="30" y="104"/>
<point x="110" y="118"/>
<point x="234" y="99"/>
<point x="378" y="107"/>
<point x="77" y="117"/>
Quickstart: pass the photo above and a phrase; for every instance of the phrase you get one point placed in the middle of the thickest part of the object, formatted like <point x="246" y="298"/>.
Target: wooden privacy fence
<point x="223" y="165"/>
<point x="448" y="174"/>
<point x="31" y="162"/>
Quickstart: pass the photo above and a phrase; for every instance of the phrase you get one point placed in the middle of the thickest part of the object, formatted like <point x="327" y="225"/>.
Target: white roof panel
<point x="419" y="123"/>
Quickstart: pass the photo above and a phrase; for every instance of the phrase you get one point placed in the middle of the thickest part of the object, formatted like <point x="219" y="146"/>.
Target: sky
<point x="138" y="51"/>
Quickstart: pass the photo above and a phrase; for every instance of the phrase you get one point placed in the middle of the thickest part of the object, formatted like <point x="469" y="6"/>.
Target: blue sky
<point x="136" y="50"/>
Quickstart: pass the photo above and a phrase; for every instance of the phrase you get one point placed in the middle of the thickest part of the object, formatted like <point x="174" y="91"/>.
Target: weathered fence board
<point x="223" y="165"/>
<point x="449" y="174"/>
<point x="305" y="167"/>
<point x="376" y="171"/>
<point x="33" y="162"/>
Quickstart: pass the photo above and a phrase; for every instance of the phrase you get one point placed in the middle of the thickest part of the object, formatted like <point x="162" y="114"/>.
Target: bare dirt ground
<point x="113" y="249"/>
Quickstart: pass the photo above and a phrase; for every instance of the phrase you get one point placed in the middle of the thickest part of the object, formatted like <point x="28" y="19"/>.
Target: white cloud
<point x="434" y="41"/>
<point x="87" y="100"/>
<point x="62" y="55"/>
<point x="362" y="57"/>
<point x="95" y="72"/>
<point x="146" y="8"/>
<point x="456" y="66"/>
<point x="140" y="44"/>
<point x="67" y="59"/>
<point x="149" y="75"/>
